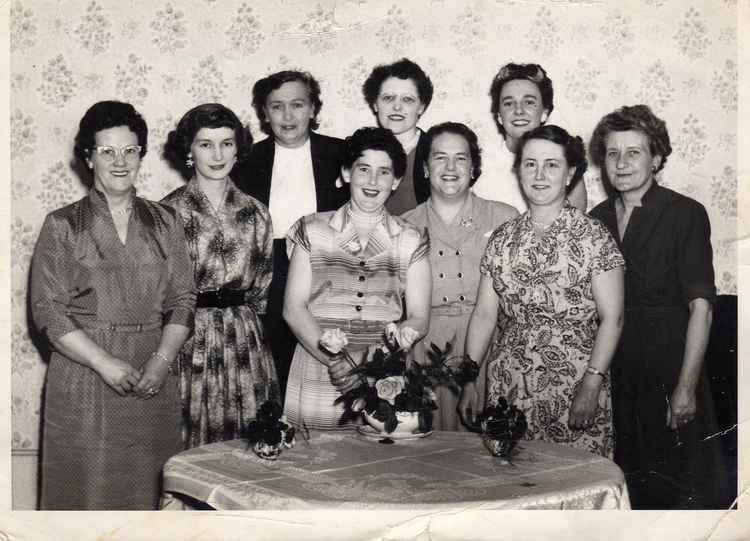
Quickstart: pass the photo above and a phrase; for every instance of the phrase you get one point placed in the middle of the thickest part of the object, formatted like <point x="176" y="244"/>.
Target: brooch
<point x="466" y="221"/>
<point x="354" y="246"/>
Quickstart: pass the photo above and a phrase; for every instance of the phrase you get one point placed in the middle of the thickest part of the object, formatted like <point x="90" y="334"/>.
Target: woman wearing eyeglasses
<point x="111" y="289"/>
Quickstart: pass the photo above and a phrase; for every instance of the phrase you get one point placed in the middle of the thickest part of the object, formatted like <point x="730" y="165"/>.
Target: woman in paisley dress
<point x="558" y="276"/>
<point x="226" y="368"/>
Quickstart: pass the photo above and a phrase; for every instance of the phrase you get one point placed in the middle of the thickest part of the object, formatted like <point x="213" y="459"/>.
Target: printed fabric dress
<point x="357" y="291"/>
<point x="226" y="368"/>
<point x="455" y="252"/>
<point x="544" y="287"/>
<point x="100" y="450"/>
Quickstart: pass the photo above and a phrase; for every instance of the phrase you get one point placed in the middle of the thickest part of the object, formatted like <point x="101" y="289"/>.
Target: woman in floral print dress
<point x="558" y="275"/>
<point x="226" y="368"/>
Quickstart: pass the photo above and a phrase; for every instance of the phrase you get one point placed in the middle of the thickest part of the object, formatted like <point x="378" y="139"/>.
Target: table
<point x="345" y="470"/>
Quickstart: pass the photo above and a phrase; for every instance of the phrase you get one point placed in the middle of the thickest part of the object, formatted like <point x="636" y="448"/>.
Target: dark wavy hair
<point x="207" y="115"/>
<point x="374" y="139"/>
<point x="574" y="150"/>
<point x="401" y="69"/>
<point x="461" y="130"/>
<point x="627" y="118"/>
<point x="530" y="72"/>
<point x="108" y="114"/>
<point x="263" y="88"/>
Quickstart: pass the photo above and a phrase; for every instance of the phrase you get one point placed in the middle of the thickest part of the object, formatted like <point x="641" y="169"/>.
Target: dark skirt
<point x="645" y="371"/>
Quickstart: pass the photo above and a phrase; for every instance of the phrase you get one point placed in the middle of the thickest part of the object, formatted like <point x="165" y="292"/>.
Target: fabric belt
<point x="123" y="327"/>
<point x="354" y="325"/>
<point x="221" y="298"/>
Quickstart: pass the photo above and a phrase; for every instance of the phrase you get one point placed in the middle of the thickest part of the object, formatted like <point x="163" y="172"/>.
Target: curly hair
<point x="207" y="115"/>
<point x="627" y="118"/>
<point x="401" y="69"/>
<point x="573" y="148"/>
<point x="461" y="130"/>
<point x="108" y="114"/>
<point x="374" y="139"/>
<point x="263" y="88"/>
<point x="529" y="72"/>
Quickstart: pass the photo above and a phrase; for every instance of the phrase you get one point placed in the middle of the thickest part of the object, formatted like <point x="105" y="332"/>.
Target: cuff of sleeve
<point x="179" y="316"/>
<point x="57" y="331"/>
<point x="700" y="292"/>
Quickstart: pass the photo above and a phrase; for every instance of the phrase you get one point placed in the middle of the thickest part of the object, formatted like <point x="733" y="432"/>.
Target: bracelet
<point x="594" y="372"/>
<point x="163" y="358"/>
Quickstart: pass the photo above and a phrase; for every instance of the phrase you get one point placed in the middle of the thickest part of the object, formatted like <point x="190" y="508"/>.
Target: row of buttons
<point x="442" y="275"/>
<point x="358" y="308"/>
<point x="460" y="298"/>
<point x="442" y="252"/>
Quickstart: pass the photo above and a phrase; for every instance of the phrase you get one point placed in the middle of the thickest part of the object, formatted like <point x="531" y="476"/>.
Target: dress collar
<point x="99" y="200"/>
<point x="341" y="221"/>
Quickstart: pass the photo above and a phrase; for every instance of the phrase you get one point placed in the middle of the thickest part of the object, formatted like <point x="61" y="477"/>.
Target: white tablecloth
<point x="349" y="471"/>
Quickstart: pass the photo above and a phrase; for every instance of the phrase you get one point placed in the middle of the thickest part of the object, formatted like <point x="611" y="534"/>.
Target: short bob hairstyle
<point x="575" y="152"/>
<point x="207" y="115"/>
<point x="374" y="139"/>
<point x="263" y="88"/>
<point x="108" y="114"/>
<point x="462" y="130"/>
<point x="401" y="69"/>
<point x="627" y="118"/>
<point x="511" y="72"/>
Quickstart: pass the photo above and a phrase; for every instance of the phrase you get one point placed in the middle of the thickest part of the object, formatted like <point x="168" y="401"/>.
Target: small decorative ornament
<point x="189" y="162"/>
<point x="466" y="221"/>
<point x="269" y="434"/>
<point x="354" y="246"/>
<point x="501" y="426"/>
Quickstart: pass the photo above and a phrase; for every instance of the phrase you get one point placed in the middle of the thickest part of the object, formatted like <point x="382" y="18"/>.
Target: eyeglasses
<point x="129" y="153"/>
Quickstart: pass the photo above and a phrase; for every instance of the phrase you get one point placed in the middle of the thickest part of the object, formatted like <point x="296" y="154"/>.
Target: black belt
<point x="221" y="298"/>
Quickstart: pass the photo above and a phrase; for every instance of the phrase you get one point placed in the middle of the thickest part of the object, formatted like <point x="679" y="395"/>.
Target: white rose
<point x="389" y="388"/>
<point x="407" y="336"/>
<point x="333" y="340"/>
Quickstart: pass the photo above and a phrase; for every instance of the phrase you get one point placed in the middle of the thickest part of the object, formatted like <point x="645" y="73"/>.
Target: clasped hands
<point x="125" y="379"/>
<point x="341" y="365"/>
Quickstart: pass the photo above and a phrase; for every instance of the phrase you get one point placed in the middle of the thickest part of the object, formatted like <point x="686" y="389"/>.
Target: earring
<point x="189" y="161"/>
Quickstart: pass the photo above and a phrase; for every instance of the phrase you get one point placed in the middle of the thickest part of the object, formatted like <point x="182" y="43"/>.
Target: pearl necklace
<point x="540" y="225"/>
<point x="122" y="212"/>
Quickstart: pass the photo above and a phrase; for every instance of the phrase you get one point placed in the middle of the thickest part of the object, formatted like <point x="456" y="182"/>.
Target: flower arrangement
<point x="390" y="385"/>
<point x="269" y="433"/>
<point x="501" y="427"/>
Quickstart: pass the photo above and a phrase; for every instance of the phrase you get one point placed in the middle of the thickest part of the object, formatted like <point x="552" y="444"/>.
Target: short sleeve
<point x="486" y="263"/>
<point x="606" y="254"/>
<point x="423" y="247"/>
<point x="297" y="236"/>
<point x="179" y="301"/>
<point x="49" y="291"/>
<point x="695" y="256"/>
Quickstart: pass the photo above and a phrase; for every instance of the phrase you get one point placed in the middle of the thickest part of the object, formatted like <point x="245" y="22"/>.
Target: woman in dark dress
<point x="226" y="367"/>
<point x="111" y="289"/>
<point x="661" y="411"/>
<point x="399" y="94"/>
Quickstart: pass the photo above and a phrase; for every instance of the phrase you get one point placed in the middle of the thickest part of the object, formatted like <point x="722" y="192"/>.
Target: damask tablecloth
<point x="349" y="471"/>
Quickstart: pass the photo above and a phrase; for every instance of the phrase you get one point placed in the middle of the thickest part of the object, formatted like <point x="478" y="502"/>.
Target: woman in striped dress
<point x="351" y="269"/>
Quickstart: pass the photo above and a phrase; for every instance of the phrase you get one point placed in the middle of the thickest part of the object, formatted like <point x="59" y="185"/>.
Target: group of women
<point x="172" y="322"/>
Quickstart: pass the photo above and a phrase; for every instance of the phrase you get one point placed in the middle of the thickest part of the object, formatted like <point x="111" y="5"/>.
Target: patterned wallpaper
<point x="678" y="56"/>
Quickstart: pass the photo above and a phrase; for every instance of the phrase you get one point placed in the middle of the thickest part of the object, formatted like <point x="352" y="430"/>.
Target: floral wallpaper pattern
<point x="678" y="56"/>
